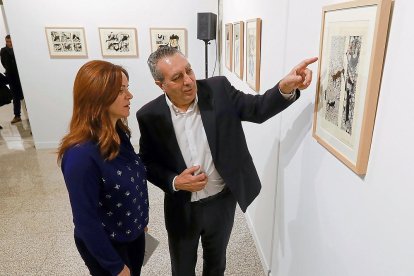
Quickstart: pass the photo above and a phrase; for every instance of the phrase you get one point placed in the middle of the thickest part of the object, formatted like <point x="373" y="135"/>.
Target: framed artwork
<point x="176" y="38"/>
<point x="118" y="42"/>
<point x="253" y="46"/>
<point x="238" y="51"/>
<point x="228" y="55"/>
<point x="66" y="42"/>
<point x="352" y="49"/>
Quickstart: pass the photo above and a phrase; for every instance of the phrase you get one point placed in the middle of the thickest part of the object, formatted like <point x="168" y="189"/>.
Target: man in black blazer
<point x="9" y="63"/>
<point x="194" y="148"/>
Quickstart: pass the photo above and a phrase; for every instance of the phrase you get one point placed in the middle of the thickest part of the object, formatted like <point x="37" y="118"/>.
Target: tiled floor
<point x="36" y="230"/>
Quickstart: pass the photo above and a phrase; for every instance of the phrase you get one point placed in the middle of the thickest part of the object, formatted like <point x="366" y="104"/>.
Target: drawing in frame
<point x="66" y="42"/>
<point x="173" y="37"/>
<point x="118" y="42"/>
<point x="253" y="50"/>
<point x="238" y="51"/>
<point x="352" y="48"/>
<point x="228" y="44"/>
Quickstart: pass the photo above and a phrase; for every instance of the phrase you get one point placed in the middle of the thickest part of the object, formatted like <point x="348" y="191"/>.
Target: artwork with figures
<point x="345" y="53"/>
<point x="348" y="81"/>
<point x="66" y="42"/>
<point x="176" y="38"/>
<point x="253" y="49"/>
<point x="238" y="51"/>
<point x="228" y="34"/>
<point x="118" y="42"/>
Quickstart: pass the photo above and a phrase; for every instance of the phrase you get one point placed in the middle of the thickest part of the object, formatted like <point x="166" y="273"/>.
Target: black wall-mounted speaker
<point x="206" y="25"/>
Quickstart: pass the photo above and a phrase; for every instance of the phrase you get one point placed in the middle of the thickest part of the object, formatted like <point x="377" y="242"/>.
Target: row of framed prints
<point x="70" y="42"/>
<point x="234" y="50"/>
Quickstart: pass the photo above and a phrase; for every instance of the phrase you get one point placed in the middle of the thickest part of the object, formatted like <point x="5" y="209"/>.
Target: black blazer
<point x="8" y="61"/>
<point x="222" y="109"/>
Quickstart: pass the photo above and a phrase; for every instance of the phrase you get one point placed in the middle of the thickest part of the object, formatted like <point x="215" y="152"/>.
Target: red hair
<point x="97" y="85"/>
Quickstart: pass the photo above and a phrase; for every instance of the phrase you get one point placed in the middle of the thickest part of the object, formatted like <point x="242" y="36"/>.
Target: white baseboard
<point x="46" y="145"/>
<point x="265" y="265"/>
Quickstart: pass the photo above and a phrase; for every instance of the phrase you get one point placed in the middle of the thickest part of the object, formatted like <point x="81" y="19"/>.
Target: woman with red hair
<point x="105" y="178"/>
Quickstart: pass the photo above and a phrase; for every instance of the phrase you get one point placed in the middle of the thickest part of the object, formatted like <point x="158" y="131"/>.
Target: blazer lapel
<point x="170" y="139"/>
<point x="206" y="105"/>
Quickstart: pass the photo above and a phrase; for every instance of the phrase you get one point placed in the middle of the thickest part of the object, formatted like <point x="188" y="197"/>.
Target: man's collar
<point x="176" y="110"/>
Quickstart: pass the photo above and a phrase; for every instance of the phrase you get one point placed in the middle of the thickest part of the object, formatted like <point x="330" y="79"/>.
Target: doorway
<point x="14" y="133"/>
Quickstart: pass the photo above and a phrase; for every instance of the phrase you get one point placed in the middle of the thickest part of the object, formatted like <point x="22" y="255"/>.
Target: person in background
<point x="9" y="63"/>
<point x="105" y="178"/>
<point x="197" y="154"/>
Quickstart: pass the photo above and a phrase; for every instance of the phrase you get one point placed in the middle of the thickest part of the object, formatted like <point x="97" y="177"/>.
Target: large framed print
<point x="118" y="42"/>
<point x="176" y="38"/>
<point x="66" y="42"/>
<point x="253" y="49"/>
<point x="238" y="51"/>
<point x="228" y="34"/>
<point x="352" y="49"/>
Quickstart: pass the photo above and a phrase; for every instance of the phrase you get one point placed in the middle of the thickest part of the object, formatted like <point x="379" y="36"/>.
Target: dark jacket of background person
<point x="9" y="63"/>
<point x="5" y="93"/>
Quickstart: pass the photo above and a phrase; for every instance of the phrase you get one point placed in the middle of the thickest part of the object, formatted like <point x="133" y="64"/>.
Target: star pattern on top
<point x="123" y="205"/>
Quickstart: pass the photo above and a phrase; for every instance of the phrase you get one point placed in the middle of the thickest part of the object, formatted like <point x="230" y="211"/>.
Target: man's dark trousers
<point x="212" y="219"/>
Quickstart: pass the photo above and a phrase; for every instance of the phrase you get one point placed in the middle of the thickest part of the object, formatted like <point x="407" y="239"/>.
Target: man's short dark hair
<point x="8" y="36"/>
<point x="162" y="52"/>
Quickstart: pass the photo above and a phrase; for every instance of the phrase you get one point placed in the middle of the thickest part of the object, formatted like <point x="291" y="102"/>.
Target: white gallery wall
<point x="47" y="83"/>
<point x="262" y="139"/>
<point x="314" y="216"/>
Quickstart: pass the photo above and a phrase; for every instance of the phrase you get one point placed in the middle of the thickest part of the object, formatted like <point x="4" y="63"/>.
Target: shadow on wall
<point x="304" y="233"/>
<point x="288" y="147"/>
<point x="280" y="153"/>
<point x="300" y="243"/>
<point x="264" y="213"/>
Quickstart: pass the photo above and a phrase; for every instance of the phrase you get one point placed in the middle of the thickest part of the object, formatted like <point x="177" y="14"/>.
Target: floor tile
<point x="31" y="247"/>
<point x="19" y="268"/>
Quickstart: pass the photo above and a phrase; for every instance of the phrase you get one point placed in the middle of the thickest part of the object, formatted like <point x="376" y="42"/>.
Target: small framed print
<point x="173" y="37"/>
<point x="352" y="50"/>
<point x="228" y="33"/>
<point x="238" y="50"/>
<point x="119" y="42"/>
<point x="66" y="42"/>
<point x="253" y="49"/>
